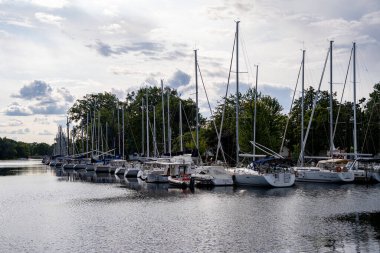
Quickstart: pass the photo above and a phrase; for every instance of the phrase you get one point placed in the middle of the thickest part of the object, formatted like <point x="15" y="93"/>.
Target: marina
<point x="79" y="211"/>
<point x="190" y="126"/>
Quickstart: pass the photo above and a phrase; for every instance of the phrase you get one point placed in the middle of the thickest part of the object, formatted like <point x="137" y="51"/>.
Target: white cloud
<point x="50" y="3"/>
<point x="45" y="132"/>
<point x="48" y="18"/>
<point x="11" y="123"/>
<point x="16" y="109"/>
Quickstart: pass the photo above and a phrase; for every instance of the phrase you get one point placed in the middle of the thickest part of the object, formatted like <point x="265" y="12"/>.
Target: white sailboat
<point x="252" y="176"/>
<point x="319" y="173"/>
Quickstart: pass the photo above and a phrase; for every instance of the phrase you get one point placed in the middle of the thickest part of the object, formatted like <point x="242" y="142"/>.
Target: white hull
<point x="156" y="176"/>
<point x="317" y="175"/>
<point x="249" y="177"/>
<point x="133" y="173"/>
<point x="367" y="176"/>
<point x="212" y="176"/>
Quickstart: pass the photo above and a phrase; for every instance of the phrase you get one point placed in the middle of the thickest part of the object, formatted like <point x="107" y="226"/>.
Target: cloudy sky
<point x="53" y="52"/>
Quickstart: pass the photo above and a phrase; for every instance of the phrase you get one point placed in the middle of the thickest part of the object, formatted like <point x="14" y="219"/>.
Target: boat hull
<point x="133" y="173"/>
<point x="156" y="178"/>
<point x="324" y="176"/>
<point x="181" y="182"/>
<point x="276" y="180"/>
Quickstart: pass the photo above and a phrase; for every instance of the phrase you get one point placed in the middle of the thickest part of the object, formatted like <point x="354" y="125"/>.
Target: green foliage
<point x="270" y="124"/>
<point x="10" y="149"/>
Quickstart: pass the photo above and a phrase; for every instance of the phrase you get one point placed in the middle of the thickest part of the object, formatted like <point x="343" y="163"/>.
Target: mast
<point x="254" y="114"/>
<point x="196" y="101"/>
<point x="106" y="137"/>
<point x="123" y="132"/>
<point x="180" y="125"/>
<point x="331" y="101"/>
<point x="99" y="132"/>
<point x="154" y="132"/>
<point x="142" y="125"/>
<point x="118" y="124"/>
<point x="93" y="133"/>
<point x="163" y="114"/>
<point x="87" y="135"/>
<point x="169" y="129"/>
<point x="354" y="104"/>
<point x="147" y="124"/>
<point x="302" y="106"/>
<point x="82" y="136"/>
<point x="68" y="135"/>
<point x="237" y="93"/>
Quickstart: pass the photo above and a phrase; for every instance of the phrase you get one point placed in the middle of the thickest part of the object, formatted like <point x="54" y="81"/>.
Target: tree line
<point x="100" y="115"/>
<point x="11" y="149"/>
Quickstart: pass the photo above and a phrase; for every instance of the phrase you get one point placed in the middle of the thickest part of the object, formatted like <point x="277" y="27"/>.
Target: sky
<point x="54" y="52"/>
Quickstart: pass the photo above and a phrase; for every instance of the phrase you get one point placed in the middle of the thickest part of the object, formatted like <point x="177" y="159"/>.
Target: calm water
<point x="48" y="210"/>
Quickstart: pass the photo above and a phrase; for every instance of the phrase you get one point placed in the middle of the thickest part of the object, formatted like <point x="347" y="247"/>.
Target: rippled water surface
<point x="48" y="210"/>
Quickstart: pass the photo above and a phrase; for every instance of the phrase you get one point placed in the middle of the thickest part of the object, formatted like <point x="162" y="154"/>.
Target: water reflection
<point x="154" y="217"/>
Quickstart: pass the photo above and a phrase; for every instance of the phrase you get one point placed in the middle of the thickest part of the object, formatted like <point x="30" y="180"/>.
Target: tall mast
<point x="354" y="104"/>
<point x="87" y="135"/>
<point x="237" y="93"/>
<point x="118" y="125"/>
<point x="169" y="129"/>
<point x="147" y="124"/>
<point x="254" y="114"/>
<point x="302" y="106"/>
<point x="93" y="132"/>
<point x="99" y="132"/>
<point x="196" y="101"/>
<point x="123" y="133"/>
<point x="331" y="100"/>
<point x="180" y="125"/>
<point x="154" y="132"/>
<point x="106" y="146"/>
<point x="142" y="125"/>
<point x="68" y="135"/>
<point x="82" y="136"/>
<point x="163" y="114"/>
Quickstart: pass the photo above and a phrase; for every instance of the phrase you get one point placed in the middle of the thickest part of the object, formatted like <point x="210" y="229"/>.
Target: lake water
<point x="48" y="210"/>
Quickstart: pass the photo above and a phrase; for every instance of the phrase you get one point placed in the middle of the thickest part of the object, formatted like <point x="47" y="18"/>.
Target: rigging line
<point x="370" y="77"/>
<point x="191" y="133"/>
<point x="263" y="150"/>
<point x="290" y="110"/>
<point x="151" y="131"/>
<point x="246" y="58"/>
<point x="209" y="106"/>
<point x="341" y="98"/>
<point x="225" y="100"/>
<point x="369" y="122"/>
<point x="314" y="106"/>
<point x="268" y="150"/>
<point x="133" y="136"/>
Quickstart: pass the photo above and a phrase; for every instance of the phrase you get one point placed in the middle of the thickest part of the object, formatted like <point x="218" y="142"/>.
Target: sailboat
<point x="321" y="173"/>
<point x="275" y="174"/>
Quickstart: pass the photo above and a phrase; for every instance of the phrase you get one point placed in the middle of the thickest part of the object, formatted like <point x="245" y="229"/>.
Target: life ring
<point x="338" y="169"/>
